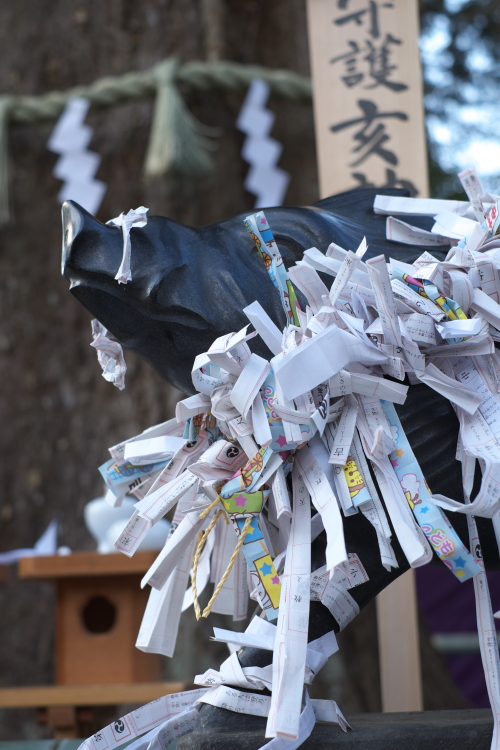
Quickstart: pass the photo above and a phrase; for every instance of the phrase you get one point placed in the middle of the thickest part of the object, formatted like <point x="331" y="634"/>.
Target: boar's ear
<point x="88" y="245"/>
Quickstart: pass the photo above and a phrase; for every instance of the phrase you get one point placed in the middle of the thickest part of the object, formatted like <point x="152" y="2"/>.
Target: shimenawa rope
<point x="178" y="142"/>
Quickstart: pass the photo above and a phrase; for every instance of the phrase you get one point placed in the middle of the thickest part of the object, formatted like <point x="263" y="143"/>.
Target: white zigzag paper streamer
<point x="77" y="166"/>
<point x="265" y="180"/>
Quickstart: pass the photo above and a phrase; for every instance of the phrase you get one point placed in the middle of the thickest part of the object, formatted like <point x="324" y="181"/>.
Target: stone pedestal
<point x="465" y="730"/>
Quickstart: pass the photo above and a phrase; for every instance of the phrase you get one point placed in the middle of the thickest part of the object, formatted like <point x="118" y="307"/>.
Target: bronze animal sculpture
<point x="189" y="286"/>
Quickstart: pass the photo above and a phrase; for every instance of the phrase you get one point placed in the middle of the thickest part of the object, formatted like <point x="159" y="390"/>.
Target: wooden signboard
<point x="369" y="120"/>
<point x="398" y="644"/>
<point x="367" y="89"/>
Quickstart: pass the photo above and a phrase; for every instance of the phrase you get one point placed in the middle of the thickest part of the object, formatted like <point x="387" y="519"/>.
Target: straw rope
<point x="194" y="76"/>
<point x="178" y="142"/>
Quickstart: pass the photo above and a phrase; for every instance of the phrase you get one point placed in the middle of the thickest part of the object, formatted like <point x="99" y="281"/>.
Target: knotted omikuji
<point x="316" y="423"/>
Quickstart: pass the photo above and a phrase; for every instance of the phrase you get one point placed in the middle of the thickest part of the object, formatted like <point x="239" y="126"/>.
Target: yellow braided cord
<point x="196" y="557"/>
<point x="201" y="543"/>
<point x="205" y="512"/>
<point x="224" y="578"/>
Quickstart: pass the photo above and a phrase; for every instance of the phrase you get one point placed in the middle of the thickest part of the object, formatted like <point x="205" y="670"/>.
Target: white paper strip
<point x="454" y="391"/>
<point x="157" y="504"/>
<point x="400" y="231"/>
<point x="171" y="427"/>
<point x="326" y="504"/>
<point x="349" y="265"/>
<point x="321" y="357"/>
<point x="192" y="406"/>
<point x="267" y="330"/>
<point x="160" y="622"/>
<point x="142" y="720"/>
<point x="134" y="218"/>
<point x="451" y="225"/>
<point x="248" y="384"/>
<point x="306" y="279"/>
<point x="385" y="204"/>
<point x="261" y="429"/>
<point x="290" y="646"/>
<point x="280" y="494"/>
<point x="381" y="284"/>
<point x="344" y="433"/>
<point x="173" y="550"/>
<point x="142" y="452"/>
<point x="235" y="700"/>
<point x="109" y="355"/>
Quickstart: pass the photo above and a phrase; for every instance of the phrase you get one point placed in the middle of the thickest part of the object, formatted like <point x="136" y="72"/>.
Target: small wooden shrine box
<point x="100" y="605"/>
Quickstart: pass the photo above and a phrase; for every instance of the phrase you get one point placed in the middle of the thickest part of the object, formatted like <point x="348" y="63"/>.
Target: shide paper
<point x="77" y="165"/>
<point x="265" y="442"/>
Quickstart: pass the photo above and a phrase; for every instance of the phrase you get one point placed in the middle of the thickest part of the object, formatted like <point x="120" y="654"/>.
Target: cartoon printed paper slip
<point x="261" y="233"/>
<point x="433" y="522"/>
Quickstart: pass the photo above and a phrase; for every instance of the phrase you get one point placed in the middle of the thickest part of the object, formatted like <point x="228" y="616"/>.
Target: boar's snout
<point x="89" y="247"/>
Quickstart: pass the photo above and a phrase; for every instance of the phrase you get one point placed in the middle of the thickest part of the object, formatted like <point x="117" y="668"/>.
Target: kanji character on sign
<point x="391" y="181"/>
<point x="369" y="13"/>
<point x="370" y="140"/>
<point x="378" y="69"/>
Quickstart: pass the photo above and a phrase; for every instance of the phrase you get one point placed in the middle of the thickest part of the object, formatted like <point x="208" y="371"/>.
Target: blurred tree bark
<point x="58" y="415"/>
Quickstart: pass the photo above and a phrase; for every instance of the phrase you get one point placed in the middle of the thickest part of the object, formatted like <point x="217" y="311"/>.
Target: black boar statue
<point x="189" y="286"/>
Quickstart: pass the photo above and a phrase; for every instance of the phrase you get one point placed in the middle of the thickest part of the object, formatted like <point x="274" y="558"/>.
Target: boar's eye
<point x="177" y="294"/>
<point x="184" y="317"/>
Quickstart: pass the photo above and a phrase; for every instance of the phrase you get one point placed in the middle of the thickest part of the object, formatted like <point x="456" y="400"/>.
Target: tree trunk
<point x="58" y="414"/>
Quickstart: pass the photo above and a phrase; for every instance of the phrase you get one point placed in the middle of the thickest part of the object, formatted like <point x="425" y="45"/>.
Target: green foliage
<point x="460" y="44"/>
